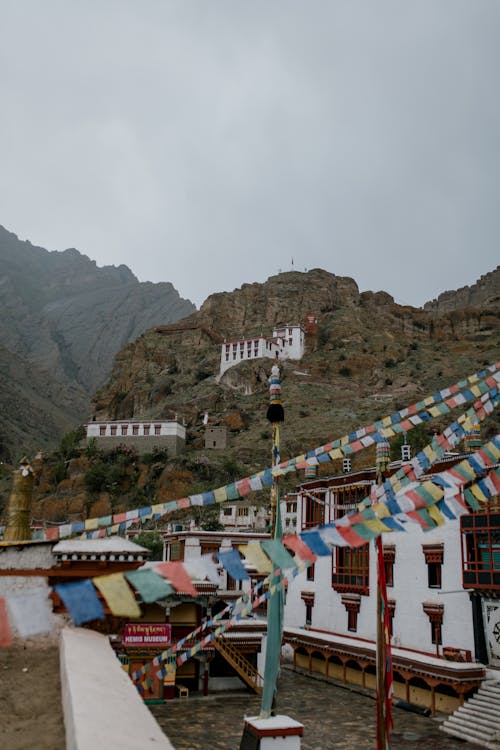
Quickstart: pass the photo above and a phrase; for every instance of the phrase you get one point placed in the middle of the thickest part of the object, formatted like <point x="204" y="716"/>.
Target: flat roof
<point x="110" y="544"/>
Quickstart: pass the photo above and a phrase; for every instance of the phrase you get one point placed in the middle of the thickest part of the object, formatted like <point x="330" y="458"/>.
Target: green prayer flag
<point x="150" y="585"/>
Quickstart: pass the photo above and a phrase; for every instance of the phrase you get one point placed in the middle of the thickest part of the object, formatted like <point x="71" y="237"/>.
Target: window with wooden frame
<point x="392" y="608"/>
<point x="308" y="599"/>
<point x="433" y="554"/>
<point x="351" y="569"/>
<point x="435" y="613"/>
<point x="177" y="551"/>
<point x="313" y="509"/>
<point x="352" y="603"/>
<point x="389" y="551"/>
<point x="209" y="548"/>
<point x="310" y="573"/>
<point x="146" y="429"/>
<point x="124" y="429"/>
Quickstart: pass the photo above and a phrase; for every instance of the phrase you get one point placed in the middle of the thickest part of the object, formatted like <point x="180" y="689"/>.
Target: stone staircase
<point x="246" y="671"/>
<point x="478" y="720"/>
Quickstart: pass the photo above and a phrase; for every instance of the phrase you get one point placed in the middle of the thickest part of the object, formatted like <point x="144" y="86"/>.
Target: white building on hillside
<point x="287" y="342"/>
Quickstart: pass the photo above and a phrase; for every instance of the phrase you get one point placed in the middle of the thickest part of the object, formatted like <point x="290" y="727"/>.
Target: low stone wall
<point x="142" y="443"/>
<point x="102" y="708"/>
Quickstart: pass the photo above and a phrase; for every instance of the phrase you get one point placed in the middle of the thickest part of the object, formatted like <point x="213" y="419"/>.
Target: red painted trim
<point x="284" y="732"/>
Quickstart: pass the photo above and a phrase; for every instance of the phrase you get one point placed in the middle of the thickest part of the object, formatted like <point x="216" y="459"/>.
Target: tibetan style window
<point x="135" y="429"/>
<point x="389" y="557"/>
<point x="243" y="511"/>
<point x="350" y="569"/>
<point x="124" y="429"/>
<point x="157" y="429"/>
<point x="209" y="548"/>
<point x="146" y="429"/>
<point x="435" y="614"/>
<point x="310" y="573"/>
<point x="313" y="509"/>
<point x="308" y="599"/>
<point x="434" y="560"/>
<point x="102" y="430"/>
<point x="113" y="429"/>
<point x="352" y="603"/>
<point x="232" y="584"/>
<point x="177" y="551"/>
<point x="392" y="609"/>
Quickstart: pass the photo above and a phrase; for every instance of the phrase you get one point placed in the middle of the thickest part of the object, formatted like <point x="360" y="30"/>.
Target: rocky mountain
<point x="65" y="317"/>
<point x="484" y="293"/>
<point x="368" y="357"/>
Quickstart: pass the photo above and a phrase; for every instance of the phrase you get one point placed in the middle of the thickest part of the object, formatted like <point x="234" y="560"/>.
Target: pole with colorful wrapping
<point x="384" y="658"/>
<point x="260" y="730"/>
<point x="276" y="415"/>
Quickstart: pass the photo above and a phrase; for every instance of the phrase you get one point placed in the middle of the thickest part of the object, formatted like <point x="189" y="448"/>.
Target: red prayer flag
<point x="176" y="574"/>
<point x="301" y="549"/>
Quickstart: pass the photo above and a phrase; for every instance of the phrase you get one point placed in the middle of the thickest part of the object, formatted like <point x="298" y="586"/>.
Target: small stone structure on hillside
<point x="216" y="437"/>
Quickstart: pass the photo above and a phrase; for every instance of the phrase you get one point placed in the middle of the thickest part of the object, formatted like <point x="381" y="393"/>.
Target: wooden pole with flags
<point x="383" y="653"/>
<point x="275" y="415"/>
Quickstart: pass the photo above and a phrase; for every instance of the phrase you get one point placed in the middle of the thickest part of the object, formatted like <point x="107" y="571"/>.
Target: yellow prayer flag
<point x="378" y="526"/>
<point x="381" y="510"/>
<point x="335" y="453"/>
<point x="118" y="595"/>
<point x="478" y="493"/>
<point x="220" y="495"/>
<point x="434" y="490"/>
<point x="254" y="553"/>
<point x="435" y="514"/>
<point x="91" y="524"/>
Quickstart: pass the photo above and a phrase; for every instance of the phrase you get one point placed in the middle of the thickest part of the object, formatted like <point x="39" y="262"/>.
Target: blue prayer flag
<point x="81" y="601"/>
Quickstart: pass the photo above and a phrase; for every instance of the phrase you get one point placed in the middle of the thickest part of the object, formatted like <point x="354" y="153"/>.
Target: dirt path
<point x="30" y="701"/>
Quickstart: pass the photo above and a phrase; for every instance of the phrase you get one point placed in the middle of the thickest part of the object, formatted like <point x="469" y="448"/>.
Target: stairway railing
<point x="246" y="671"/>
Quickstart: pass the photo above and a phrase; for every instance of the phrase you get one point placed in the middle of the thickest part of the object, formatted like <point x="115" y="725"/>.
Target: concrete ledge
<point x="100" y="704"/>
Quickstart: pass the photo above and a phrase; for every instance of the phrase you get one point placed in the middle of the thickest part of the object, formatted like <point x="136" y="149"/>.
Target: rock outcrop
<point x="484" y="293"/>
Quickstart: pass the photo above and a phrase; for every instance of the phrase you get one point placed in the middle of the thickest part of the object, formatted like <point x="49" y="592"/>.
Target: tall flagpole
<point x="275" y="415"/>
<point x="383" y="654"/>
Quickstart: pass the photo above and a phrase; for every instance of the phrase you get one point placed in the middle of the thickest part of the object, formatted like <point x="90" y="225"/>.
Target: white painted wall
<point x="411" y="626"/>
<point x="169" y="428"/>
<point x="102" y="708"/>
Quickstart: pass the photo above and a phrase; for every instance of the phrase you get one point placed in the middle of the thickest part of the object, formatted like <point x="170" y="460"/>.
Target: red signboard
<point x="147" y="634"/>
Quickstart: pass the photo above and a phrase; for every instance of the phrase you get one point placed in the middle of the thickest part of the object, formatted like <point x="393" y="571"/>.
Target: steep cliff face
<point x="35" y="408"/>
<point x="484" y="293"/>
<point x="370" y="356"/>
<point x="62" y="321"/>
<point x="285" y="298"/>
<point x="66" y="315"/>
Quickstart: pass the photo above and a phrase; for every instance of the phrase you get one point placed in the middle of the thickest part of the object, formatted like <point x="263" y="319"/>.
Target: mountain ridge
<point x="67" y="317"/>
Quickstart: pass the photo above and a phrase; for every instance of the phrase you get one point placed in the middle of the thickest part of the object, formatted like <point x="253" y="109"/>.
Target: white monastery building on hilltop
<point x="287" y="342"/>
<point x="143" y="435"/>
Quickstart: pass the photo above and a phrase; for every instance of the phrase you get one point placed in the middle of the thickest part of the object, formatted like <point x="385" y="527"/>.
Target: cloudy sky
<point x="210" y="142"/>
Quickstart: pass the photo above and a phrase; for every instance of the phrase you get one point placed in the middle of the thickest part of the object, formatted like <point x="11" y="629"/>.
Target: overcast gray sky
<point x="209" y="142"/>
